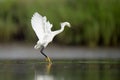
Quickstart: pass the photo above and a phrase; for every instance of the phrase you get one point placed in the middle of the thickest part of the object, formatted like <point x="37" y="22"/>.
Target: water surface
<point x="60" y="70"/>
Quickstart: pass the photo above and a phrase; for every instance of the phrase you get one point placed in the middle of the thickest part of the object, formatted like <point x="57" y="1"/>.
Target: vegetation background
<point x="94" y="22"/>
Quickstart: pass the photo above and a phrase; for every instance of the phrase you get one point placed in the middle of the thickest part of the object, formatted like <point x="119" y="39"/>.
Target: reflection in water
<point x="78" y="71"/>
<point x="48" y="67"/>
<point x="60" y="71"/>
<point x="46" y="75"/>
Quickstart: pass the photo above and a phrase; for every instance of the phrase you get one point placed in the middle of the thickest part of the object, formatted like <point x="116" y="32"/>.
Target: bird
<point x="42" y="28"/>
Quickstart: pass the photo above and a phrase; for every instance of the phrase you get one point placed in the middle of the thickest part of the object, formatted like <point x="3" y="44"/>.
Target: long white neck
<point x="62" y="28"/>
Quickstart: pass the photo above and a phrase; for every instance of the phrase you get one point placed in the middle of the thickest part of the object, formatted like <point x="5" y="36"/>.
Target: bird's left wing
<point x="48" y="26"/>
<point x="38" y="25"/>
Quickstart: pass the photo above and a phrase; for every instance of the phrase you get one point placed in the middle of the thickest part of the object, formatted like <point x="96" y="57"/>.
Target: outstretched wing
<point x="38" y="25"/>
<point x="48" y="26"/>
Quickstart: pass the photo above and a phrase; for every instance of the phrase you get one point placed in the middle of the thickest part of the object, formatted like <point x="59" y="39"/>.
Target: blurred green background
<point x="94" y="22"/>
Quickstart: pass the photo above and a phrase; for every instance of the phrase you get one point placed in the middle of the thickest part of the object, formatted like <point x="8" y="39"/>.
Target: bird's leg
<point x="46" y="57"/>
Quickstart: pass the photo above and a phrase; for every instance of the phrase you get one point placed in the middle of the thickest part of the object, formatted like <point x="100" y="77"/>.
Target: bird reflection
<point x="44" y="77"/>
<point x="43" y="73"/>
<point x="48" y="68"/>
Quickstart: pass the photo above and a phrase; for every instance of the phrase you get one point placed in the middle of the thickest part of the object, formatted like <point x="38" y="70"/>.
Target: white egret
<point x="42" y="28"/>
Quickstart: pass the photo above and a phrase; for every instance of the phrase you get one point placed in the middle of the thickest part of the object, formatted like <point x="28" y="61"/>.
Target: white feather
<point x="42" y="28"/>
<point x="38" y="25"/>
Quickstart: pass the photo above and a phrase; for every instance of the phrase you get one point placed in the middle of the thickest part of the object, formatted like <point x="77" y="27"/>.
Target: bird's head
<point x="63" y="24"/>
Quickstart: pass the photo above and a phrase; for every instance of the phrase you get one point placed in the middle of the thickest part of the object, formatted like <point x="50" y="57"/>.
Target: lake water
<point x="60" y="70"/>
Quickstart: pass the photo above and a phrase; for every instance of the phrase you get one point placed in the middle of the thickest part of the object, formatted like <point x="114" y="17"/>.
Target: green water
<point x="60" y="70"/>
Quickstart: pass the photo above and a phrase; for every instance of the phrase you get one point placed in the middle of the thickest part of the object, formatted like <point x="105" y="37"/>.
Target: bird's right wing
<point x="38" y="25"/>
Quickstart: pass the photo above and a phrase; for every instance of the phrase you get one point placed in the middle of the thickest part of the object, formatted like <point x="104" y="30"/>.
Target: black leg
<point x="47" y="58"/>
<point x="43" y="52"/>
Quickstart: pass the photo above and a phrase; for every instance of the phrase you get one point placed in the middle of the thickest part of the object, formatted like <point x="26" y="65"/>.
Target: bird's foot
<point x="48" y="60"/>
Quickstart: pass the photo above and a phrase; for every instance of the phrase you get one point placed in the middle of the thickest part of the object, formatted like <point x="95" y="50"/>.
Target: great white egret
<point x="42" y="28"/>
